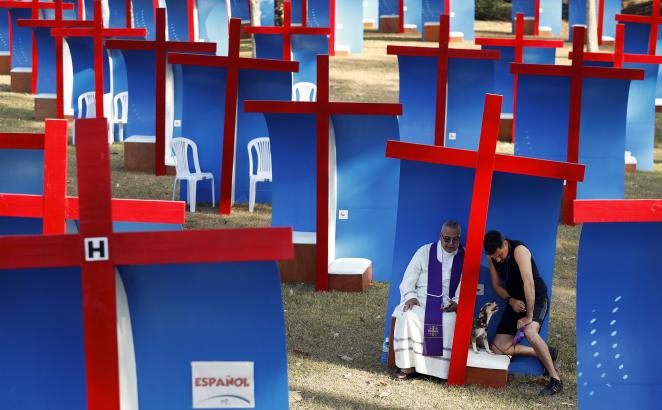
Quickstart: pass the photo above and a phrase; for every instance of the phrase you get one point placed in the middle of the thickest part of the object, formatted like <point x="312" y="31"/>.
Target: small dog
<point x="479" y="331"/>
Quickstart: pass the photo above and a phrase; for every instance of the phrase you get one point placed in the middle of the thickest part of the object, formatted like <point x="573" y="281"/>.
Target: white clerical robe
<point x="408" y="333"/>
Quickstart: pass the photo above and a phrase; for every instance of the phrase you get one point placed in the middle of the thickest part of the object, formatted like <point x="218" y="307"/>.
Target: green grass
<point x="323" y="326"/>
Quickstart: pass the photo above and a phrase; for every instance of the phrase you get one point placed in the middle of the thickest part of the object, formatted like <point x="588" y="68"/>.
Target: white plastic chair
<point x="304" y="91"/>
<point x="262" y="149"/>
<point x="120" y="100"/>
<point x="179" y="147"/>
<point x="87" y="101"/>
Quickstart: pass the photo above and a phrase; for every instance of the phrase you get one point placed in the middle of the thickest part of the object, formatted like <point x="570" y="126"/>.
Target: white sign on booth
<point x="223" y="385"/>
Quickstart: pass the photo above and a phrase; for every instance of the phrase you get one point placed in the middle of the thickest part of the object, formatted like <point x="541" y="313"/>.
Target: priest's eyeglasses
<point x="449" y="239"/>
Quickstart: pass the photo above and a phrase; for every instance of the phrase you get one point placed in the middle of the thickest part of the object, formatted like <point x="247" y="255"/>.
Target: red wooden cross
<point x="536" y="17"/>
<point x="443" y="54"/>
<point x="97" y="250"/>
<point x="486" y="162"/>
<point x="287" y="30"/>
<point x="98" y="32"/>
<point x="161" y="47"/>
<point x="618" y="57"/>
<point x="58" y="22"/>
<point x="654" y="20"/>
<point x="54" y="206"/>
<point x="322" y="108"/>
<point x="519" y="43"/>
<point x="35" y="6"/>
<point x="577" y="72"/>
<point x="618" y="210"/>
<point x="232" y="63"/>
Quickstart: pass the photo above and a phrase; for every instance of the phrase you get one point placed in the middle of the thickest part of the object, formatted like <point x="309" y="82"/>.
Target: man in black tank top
<point x="515" y="278"/>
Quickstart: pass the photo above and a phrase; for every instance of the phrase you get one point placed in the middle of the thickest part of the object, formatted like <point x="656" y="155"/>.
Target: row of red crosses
<point x="96" y="217"/>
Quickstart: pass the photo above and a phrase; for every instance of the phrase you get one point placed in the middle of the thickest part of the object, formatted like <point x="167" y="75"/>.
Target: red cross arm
<point x="242" y="63"/>
<point x="511" y="42"/>
<point x="21" y="205"/>
<point x="11" y="140"/>
<point x="567" y="71"/>
<point x="633" y="18"/>
<point x="171" y="46"/>
<point x="412" y="51"/>
<point x="628" y="58"/>
<point x="125" y="210"/>
<point x="30" y="5"/>
<point x="469" y="159"/>
<point x="54" y="23"/>
<point x="106" y="32"/>
<point x="338" y="108"/>
<point x="291" y="30"/>
<point x="134" y="210"/>
<point x="630" y="210"/>
<point x="226" y="245"/>
<point x="25" y="252"/>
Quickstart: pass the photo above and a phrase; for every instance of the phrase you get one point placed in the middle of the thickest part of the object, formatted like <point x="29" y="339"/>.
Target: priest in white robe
<point x="429" y="295"/>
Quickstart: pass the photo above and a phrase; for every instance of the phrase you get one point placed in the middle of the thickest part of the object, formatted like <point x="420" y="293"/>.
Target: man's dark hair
<point x="493" y="240"/>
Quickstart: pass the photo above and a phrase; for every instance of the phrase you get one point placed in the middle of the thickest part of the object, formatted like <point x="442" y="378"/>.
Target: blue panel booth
<point x="468" y="82"/>
<point x="602" y="130"/>
<point x="613" y="369"/>
<point x="365" y="183"/>
<point x="577" y="15"/>
<point x="550" y="13"/>
<point x="522" y="207"/>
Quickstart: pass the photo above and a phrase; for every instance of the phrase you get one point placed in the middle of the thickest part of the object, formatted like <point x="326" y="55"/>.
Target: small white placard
<point x="339" y="26"/>
<point x="177" y="123"/>
<point x="96" y="249"/>
<point x="480" y="291"/>
<point x="343" y="214"/>
<point x="404" y="8"/>
<point x="452" y="136"/>
<point x="223" y="385"/>
<point x="452" y="14"/>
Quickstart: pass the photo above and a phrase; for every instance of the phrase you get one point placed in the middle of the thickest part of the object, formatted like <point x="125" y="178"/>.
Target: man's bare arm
<point x="523" y="259"/>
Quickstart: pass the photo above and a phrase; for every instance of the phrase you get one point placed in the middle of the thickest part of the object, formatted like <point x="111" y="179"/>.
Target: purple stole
<point x="433" y="335"/>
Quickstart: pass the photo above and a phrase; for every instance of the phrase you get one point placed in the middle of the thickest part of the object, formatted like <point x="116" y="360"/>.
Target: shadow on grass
<point x="338" y="401"/>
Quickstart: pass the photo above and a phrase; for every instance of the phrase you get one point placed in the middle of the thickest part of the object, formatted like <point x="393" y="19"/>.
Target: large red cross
<point x="35" y="6"/>
<point x="161" y="47"/>
<point x="58" y="22"/>
<point x="577" y="72"/>
<point x="323" y="109"/>
<point x="519" y="43"/>
<point x="443" y="54"/>
<point x="287" y="30"/>
<point x="98" y="32"/>
<point x="654" y="20"/>
<point x="619" y="56"/>
<point x="232" y="63"/>
<point x="54" y="206"/>
<point x="485" y="162"/>
<point x="97" y="250"/>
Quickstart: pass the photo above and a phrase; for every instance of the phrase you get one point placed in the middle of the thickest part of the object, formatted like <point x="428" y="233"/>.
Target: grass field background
<point x="321" y="327"/>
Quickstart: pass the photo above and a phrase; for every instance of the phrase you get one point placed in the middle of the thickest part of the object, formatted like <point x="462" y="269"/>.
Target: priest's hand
<point x="410" y="304"/>
<point x="452" y="307"/>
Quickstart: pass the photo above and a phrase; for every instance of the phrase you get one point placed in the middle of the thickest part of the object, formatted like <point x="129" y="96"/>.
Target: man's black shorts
<point x="508" y="324"/>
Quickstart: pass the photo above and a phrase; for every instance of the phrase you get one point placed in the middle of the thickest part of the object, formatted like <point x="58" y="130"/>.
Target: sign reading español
<point x="222" y="385"/>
